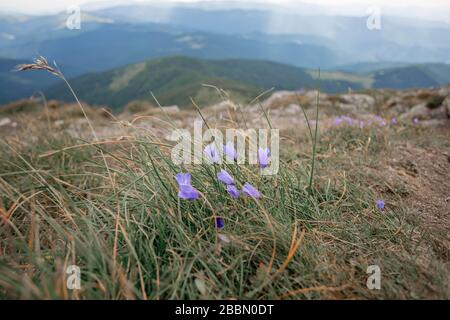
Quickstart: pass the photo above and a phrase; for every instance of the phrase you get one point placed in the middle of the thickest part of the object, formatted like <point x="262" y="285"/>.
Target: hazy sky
<point x="441" y="7"/>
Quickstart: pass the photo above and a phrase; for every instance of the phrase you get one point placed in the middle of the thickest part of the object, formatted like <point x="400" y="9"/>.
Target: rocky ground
<point x="424" y="107"/>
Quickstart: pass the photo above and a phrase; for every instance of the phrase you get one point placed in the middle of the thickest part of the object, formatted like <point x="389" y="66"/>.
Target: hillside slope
<point x="413" y="76"/>
<point x="175" y="79"/>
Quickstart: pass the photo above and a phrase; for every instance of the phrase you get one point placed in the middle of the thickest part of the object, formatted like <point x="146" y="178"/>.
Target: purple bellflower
<point x="228" y="180"/>
<point x="233" y="191"/>
<point x="225" y="177"/>
<point x="185" y="190"/>
<point x="211" y="153"/>
<point x="219" y="223"/>
<point x="183" y="179"/>
<point x="380" y="205"/>
<point x="337" y="121"/>
<point x="250" y="191"/>
<point x="229" y="151"/>
<point x="264" y="157"/>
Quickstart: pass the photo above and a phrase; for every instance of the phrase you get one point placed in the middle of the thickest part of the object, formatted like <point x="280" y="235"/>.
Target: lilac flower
<point x="337" y="121"/>
<point x="233" y="191"/>
<point x="264" y="157"/>
<point x="188" y="192"/>
<point x="229" y="151"/>
<point x="219" y="223"/>
<point x="250" y="191"/>
<point x="225" y="177"/>
<point x="378" y="118"/>
<point x="349" y="120"/>
<point x="394" y="120"/>
<point x="185" y="190"/>
<point x="211" y="152"/>
<point x="380" y="205"/>
<point x="183" y="179"/>
<point x="362" y="124"/>
<point x="415" y="120"/>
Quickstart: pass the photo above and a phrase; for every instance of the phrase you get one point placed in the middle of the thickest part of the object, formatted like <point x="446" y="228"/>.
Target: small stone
<point x="5" y="122"/>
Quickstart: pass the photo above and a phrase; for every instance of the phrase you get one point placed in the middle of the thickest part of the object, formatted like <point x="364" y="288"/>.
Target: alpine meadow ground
<point x="112" y="208"/>
<point x="122" y="223"/>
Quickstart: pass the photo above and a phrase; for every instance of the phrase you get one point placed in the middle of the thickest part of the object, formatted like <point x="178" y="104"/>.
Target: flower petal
<point x="225" y="177"/>
<point x="264" y="157"/>
<point x="211" y="153"/>
<point x="219" y="223"/>
<point x="250" y="191"/>
<point x="380" y="204"/>
<point x="229" y="151"/>
<point x="188" y="192"/>
<point x="233" y="191"/>
<point x="183" y="179"/>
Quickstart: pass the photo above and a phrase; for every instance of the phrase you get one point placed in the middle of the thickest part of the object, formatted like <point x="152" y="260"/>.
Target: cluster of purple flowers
<point x="381" y="122"/>
<point x="228" y="181"/>
<point x="187" y="192"/>
<point x="361" y="123"/>
<point x="214" y="156"/>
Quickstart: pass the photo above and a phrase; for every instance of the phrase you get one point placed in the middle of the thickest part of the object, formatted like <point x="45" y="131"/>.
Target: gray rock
<point x="349" y="108"/>
<point x="361" y="101"/>
<point x="292" y="109"/>
<point x="444" y="92"/>
<point x="278" y="96"/>
<point x="171" y="109"/>
<point x="439" y="113"/>
<point x="446" y="105"/>
<point x="5" y="122"/>
<point x="419" y="111"/>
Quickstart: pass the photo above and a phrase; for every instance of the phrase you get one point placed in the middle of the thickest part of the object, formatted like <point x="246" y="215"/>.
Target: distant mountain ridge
<point x="175" y="79"/>
<point x="413" y="76"/>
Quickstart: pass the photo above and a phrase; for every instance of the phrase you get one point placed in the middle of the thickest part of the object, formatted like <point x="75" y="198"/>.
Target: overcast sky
<point x="427" y="8"/>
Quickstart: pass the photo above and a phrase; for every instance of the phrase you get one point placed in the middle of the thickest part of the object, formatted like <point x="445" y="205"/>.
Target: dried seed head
<point x="40" y="63"/>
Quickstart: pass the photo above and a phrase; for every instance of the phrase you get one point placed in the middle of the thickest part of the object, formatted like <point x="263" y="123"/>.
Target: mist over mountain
<point x="346" y="37"/>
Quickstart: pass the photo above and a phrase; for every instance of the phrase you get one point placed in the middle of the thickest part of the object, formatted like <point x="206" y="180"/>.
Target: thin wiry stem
<point x="313" y="161"/>
<point x="81" y="106"/>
